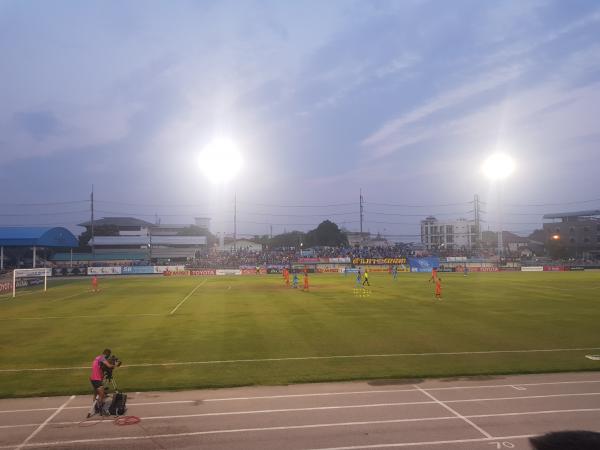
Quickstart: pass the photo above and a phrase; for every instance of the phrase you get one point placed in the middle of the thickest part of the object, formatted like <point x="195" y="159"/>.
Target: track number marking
<point x="504" y="444"/>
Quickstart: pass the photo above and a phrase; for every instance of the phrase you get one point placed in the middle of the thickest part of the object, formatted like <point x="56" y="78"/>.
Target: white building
<point x="143" y="240"/>
<point x="365" y="239"/>
<point x="457" y="234"/>
<point x="242" y="244"/>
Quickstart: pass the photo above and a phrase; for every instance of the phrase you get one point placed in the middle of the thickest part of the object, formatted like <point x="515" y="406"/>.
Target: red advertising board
<point x="203" y="272"/>
<point x="554" y="268"/>
<point x="483" y="269"/>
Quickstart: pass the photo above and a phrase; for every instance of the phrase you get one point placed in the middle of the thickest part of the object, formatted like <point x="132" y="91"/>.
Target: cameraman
<point x="100" y="362"/>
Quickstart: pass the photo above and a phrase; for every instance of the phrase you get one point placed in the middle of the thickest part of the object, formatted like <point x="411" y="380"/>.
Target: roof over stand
<point x="37" y="237"/>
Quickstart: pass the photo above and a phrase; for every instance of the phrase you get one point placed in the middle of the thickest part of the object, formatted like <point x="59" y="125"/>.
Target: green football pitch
<point x="194" y="332"/>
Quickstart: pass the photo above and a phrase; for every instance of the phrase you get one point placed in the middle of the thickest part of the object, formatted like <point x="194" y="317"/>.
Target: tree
<point x="291" y="239"/>
<point x="326" y="234"/>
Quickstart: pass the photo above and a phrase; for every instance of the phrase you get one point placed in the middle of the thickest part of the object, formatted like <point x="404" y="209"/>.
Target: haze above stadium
<point x="402" y="99"/>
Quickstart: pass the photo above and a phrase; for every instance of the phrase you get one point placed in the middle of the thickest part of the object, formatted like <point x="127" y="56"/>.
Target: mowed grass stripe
<point x="256" y="318"/>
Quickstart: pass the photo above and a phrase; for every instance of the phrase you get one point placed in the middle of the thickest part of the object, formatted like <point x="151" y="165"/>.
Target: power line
<point x="57" y="213"/>
<point x="265" y="205"/>
<point x="404" y="205"/>
<point x="418" y="215"/>
<point x="45" y="203"/>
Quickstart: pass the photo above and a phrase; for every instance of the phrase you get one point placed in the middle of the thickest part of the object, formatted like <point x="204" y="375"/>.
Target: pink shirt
<point x="97" y="374"/>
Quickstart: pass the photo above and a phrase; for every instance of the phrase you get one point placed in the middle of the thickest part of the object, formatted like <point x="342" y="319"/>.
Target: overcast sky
<point x="403" y="99"/>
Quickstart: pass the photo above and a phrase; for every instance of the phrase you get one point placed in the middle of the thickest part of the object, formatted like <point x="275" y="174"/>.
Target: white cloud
<point x="393" y="134"/>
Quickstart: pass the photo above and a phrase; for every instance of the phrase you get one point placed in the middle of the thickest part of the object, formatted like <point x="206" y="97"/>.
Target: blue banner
<point x="130" y="270"/>
<point x="423" y="264"/>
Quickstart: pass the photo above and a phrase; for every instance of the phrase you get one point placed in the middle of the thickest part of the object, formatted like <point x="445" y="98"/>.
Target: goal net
<point x="30" y="279"/>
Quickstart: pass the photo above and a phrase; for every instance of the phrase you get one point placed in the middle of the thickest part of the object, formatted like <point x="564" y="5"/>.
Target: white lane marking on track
<point x="186" y="297"/>
<point x="43" y="424"/>
<point x="238" y="430"/>
<point x="456" y="413"/>
<point x="183" y="416"/>
<point x="575" y="394"/>
<point x="550" y="411"/>
<point x="518" y="388"/>
<point x="419" y="444"/>
<point x="20" y="425"/>
<point x="306" y="358"/>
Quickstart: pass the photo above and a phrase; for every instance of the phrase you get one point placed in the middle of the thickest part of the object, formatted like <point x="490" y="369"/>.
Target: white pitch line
<point x="186" y="297"/>
<point x="308" y="358"/>
<point x="43" y="424"/>
<point x="456" y="413"/>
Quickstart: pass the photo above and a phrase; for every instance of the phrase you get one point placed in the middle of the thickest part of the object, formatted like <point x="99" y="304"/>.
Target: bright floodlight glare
<point x="220" y="160"/>
<point x="498" y="166"/>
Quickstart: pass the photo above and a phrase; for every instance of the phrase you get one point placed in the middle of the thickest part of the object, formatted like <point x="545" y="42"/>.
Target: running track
<point x="451" y="414"/>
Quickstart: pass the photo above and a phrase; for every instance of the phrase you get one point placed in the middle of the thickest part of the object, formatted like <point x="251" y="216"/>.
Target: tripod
<point x="99" y="406"/>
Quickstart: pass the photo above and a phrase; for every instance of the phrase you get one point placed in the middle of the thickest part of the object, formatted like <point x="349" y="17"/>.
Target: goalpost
<point x="30" y="274"/>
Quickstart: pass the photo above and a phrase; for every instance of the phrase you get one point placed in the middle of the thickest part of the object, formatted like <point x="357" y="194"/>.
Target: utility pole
<point x="271" y="231"/>
<point x="477" y="212"/>
<point x="361" y="213"/>
<point x="235" y="222"/>
<point x="92" y="227"/>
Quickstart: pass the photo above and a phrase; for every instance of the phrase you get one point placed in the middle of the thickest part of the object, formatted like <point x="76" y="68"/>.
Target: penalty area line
<point x="309" y="358"/>
<point x="186" y="297"/>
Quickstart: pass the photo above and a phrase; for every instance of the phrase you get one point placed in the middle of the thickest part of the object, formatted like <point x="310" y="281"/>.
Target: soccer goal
<point x="28" y="278"/>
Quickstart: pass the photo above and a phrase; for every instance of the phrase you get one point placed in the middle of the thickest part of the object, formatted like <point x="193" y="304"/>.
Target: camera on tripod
<point x="108" y="371"/>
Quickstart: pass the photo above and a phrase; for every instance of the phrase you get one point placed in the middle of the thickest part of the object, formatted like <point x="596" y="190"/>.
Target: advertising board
<point x="28" y="273"/>
<point x="69" y="271"/>
<point x="423" y="264"/>
<point x="202" y="272"/>
<point x="113" y="270"/>
<point x="176" y="273"/>
<point x="228" y="272"/>
<point x="345" y="260"/>
<point x="162" y="269"/>
<point x="5" y="286"/>
<point x="133" y="270"/>
<point x="554" y="268"/>
<point x="532" y="269"/>
<point x="378" y="261"/>
<point x="484" y="269"/>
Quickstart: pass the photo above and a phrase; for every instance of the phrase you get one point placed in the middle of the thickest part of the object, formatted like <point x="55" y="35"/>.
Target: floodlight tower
<point x="497" y="168"/>
<point x="220" y="161"/>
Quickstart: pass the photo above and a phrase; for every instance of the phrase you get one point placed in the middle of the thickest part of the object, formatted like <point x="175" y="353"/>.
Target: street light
<point x="497" y="168"/>
<point x="220" y="161"/>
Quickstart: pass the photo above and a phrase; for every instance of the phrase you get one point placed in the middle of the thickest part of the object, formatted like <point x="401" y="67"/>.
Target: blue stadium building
<point x="16" y="243"/>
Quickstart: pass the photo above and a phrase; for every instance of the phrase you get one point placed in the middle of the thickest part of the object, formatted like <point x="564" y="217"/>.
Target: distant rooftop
<point x="118" y="222"/>
<point x="588" y="213"/>
<point x="37" y="237"/>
